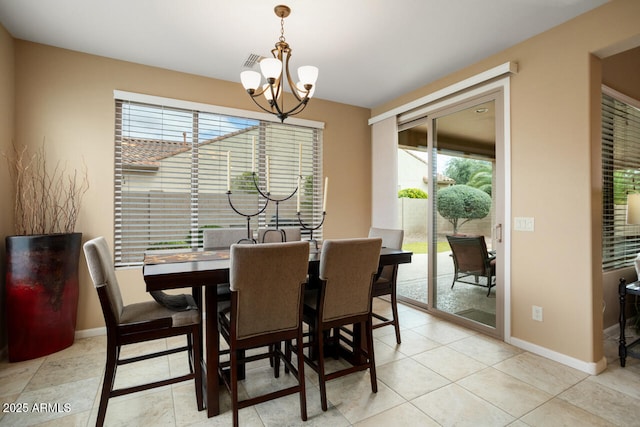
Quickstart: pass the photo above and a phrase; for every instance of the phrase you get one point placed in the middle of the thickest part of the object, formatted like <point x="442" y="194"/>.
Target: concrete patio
<point x="412" y="283"/>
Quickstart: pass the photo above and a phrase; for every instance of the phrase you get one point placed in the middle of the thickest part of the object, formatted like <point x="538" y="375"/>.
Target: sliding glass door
<point x="463" y="277"/>
<point x="453" y="154"/>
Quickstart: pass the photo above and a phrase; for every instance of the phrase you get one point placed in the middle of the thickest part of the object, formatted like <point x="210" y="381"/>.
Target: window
<point x="175" y="165"/>
<point x="621" y="176"/>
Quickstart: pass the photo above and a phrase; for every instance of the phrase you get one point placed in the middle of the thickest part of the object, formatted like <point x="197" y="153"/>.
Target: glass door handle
<point x="498" y="233"/>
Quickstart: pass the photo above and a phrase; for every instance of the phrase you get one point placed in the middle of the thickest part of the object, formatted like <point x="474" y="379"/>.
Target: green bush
<point x="412" y="193"/>
<point x="182" y="244"/>
<point x="460" y="204"/>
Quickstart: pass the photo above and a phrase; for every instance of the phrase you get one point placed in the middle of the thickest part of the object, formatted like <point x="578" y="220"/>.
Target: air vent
<point x="252" y="60"/>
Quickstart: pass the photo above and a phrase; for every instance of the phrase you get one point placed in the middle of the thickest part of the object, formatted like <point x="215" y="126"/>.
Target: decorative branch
<point x="46" y="201"/>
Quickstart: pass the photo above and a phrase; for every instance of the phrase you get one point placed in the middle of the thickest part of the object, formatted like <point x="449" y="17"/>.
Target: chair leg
<point x="489" y="285"/>
<point x="335" y="343"/>
<point x="276" y="348"/>
<point x="370" y="355"/>
<point x="321" y="377"/>
<point x="190" y="344"/>
<point x="287" y="355"/>
<point x="108" y="381"/>
<point x="233" y="382"/>
<point x="394" y="310"/>
<point x="301" y="379"/>
<point x="196" y="355"/>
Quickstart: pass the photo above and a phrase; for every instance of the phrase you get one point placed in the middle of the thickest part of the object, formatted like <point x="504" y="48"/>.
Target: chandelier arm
<point x="257" y="92"/>
<point x="298" y="108"/>
<point x="274" y="103"/>
<point x="281" y="114"/>
<point x="270" y="111"/>
<point x="292" y="85"/>
<point x="278" y="91"/>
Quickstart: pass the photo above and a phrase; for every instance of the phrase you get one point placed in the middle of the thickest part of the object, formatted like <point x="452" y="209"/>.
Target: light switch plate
<point x="521" y="223"/>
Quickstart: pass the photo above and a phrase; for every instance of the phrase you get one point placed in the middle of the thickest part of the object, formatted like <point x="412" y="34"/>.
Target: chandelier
<point x="275" y="71"/>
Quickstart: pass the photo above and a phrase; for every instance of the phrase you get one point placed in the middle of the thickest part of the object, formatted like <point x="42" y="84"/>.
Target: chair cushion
<point x="100" y="263"/>
<point x="151" y="310"/>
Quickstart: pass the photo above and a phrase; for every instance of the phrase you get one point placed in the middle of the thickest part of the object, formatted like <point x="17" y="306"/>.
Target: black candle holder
<point x="311" y="228"/>
<point x="267" y="196"/>
<point x="249" y="238"/>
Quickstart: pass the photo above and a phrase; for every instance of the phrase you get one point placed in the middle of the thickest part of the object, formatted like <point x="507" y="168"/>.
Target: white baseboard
<point x="591" y="368"/>
<point x="87" y="333"/>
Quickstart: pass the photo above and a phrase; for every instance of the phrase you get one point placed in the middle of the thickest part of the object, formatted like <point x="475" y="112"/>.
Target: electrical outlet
<point x="536" y="313"/>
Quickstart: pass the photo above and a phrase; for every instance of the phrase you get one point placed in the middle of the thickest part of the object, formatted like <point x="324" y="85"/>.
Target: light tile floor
<point x="441" y="374"/>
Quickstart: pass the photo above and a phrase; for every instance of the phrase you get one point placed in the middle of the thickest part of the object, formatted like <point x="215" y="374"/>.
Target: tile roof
<point x="148" y="153"/>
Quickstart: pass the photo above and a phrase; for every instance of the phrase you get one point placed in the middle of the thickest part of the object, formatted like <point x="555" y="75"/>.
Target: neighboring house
<point x="412" y="171"/>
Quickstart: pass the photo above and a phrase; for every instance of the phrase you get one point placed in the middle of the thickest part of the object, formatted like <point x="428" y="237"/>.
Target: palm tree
<point x="482" y="180"/>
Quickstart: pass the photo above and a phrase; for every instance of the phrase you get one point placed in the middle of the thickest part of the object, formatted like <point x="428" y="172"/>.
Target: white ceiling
<point x="368" y="51"/>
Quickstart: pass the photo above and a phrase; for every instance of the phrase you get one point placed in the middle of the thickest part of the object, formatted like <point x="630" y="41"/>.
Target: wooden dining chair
<point x="267" y="290"/>
<point x="347" y="270"/>
<point x="223" y="238"/>
<point x="386" y="280"/>
<point x="139" y="322"/>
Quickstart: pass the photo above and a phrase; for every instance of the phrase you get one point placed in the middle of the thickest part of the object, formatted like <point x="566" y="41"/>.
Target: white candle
<point x="299" y="191"/>
<point x="268" y="186"/>
<point x="253" y="155"/>
<point x="326" y="187"/>
<point x="228" y="170"/>
<point x="300" y="160"/>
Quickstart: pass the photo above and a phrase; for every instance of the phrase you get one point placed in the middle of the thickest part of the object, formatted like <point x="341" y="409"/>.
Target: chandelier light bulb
<point x="271" y="68"/>
<point x="308" y="74"/>
<point x="267" y="92"/>
<point x="250" y="80"/>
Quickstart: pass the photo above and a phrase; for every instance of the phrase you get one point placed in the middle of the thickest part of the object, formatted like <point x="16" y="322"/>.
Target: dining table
<point x="198" y="269"/>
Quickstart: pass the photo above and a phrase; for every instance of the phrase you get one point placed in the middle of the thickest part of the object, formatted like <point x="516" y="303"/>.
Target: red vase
<point x="41" y="293"/>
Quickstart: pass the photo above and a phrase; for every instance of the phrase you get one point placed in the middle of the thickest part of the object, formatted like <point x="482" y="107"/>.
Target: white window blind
<point x="173" y="167"/>
<point x="621" y="176"/>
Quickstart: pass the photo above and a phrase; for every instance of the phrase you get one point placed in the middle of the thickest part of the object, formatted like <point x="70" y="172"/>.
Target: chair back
<point x="102" y="272"/>
<point x="391" y="238"/>
<point x="347" y="268"/>
<point x="470" y="253"/>
<point x="268" y="281"/>
<point x="222" y="237"/>
<point x="282" y="234"/>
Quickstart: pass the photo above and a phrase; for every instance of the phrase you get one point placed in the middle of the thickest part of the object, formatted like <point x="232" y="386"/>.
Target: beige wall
<point x="7" y="96"/>
<point x="66" y="99"/>
<point x="555" y="176"/>
<point x="621" y="72"/>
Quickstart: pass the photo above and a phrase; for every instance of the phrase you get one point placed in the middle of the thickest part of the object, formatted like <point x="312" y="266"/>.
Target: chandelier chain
<point x="282" y="39"/>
